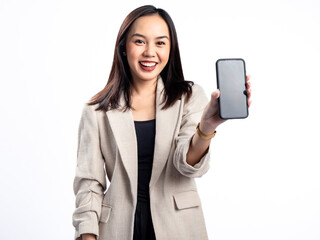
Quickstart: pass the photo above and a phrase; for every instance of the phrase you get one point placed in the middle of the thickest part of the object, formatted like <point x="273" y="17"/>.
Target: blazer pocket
<point x="105" y="213"/>
<point x="187" y="199"/>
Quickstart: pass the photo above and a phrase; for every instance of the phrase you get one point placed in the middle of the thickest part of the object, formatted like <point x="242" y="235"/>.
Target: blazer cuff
<point x="91" y="226"/>
<point x="180" y="162"/>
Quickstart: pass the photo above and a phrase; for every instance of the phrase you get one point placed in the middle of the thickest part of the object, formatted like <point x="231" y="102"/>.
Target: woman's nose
<point x="149" y="51"/>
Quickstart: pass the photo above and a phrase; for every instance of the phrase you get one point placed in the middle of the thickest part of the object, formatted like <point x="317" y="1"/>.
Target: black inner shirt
<point x="145" y="132"/>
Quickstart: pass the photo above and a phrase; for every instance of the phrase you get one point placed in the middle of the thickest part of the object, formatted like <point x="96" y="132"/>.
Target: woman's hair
<point x="120" y="77"/>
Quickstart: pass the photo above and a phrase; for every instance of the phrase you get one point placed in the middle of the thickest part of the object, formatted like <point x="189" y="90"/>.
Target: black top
<point x="145" y="132"/>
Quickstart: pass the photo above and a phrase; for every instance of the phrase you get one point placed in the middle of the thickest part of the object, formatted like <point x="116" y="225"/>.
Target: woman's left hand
<point x="210" y="119"/>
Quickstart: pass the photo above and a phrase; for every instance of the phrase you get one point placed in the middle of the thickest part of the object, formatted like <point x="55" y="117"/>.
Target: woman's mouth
<point x="148" y="66"/>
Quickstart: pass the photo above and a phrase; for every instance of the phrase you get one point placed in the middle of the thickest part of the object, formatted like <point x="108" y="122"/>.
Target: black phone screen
<point x="231" y="81"/>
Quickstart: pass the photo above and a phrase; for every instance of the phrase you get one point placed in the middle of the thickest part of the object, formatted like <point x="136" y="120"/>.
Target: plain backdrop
<point x="264" y="181"/>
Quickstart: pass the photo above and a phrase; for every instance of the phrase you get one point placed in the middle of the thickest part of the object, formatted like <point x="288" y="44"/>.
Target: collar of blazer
<point x="122" y="125"/>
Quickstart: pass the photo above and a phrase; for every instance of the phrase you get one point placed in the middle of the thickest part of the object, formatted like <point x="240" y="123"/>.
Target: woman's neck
<point x="143" y="100"/>
<point x="143" y="88"/>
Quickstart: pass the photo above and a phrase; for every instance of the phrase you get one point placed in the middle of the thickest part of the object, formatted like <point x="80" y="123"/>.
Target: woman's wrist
<point x="204" y="136"/>
<point x="207" y="128"/>
<point x="88" y="236"/>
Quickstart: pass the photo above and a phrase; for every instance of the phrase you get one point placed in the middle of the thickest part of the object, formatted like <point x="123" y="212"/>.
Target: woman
<point x="142" y="132"/>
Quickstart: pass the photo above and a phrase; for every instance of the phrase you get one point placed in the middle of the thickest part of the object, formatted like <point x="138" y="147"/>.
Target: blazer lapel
<point x="166" y="124"/>
<point x="122" y="125"/>
<point x="123" y="129"/>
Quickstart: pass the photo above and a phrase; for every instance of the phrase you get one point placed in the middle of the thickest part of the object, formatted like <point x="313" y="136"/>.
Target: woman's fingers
<point x="248" y="89"/>
<point x="249" y="92"/>
<point x="215" y="94"/>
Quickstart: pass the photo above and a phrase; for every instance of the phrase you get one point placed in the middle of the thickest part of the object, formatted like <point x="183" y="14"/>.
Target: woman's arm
<point x="90" y="178"/>
<point x="210" y="120"/>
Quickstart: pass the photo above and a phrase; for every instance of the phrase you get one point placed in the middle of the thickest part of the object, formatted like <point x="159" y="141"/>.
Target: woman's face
<point x="148" y="47"/>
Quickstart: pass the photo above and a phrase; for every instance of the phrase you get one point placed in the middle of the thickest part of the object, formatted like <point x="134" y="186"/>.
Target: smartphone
<point x="231" y="81"/>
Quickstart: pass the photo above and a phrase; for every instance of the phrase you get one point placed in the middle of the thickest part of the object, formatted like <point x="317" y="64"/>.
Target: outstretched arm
<point x="210" y="120"/>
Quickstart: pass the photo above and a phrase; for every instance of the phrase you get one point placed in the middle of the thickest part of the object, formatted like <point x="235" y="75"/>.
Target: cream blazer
<point x="107" y="147"/>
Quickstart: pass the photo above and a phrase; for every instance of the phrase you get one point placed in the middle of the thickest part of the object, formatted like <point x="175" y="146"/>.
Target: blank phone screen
<point x="231" y="81"/>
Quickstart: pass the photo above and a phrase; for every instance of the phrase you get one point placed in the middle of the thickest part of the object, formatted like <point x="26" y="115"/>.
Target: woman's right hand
<point x="210" y="119"/>
<point x="88" y="236"/>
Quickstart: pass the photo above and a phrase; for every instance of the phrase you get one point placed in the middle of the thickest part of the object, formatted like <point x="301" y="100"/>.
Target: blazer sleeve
<point x="90" y="177"/>
<point x="192" y="113"/>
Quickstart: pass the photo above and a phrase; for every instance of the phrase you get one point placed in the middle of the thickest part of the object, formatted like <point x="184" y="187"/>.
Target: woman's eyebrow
<point x="162" y="37"/>
<point x="140" y="35"/>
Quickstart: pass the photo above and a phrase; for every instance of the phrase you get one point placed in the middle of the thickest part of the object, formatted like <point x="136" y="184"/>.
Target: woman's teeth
<point x="147" y="64"/>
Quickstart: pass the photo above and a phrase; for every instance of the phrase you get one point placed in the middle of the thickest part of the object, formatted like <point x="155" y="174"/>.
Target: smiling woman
<point x="148" y="48"/>
<point x="147" y="51"/>
<point x="164" y="39"/>
<point x="149" y="131"/>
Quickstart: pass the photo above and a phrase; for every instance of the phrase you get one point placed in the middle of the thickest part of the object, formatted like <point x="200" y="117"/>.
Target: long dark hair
<point x="120" y="77"/>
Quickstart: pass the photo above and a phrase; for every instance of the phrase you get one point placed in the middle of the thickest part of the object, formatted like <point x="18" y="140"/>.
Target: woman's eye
<point x="139" y="41"/>
<point x="161" y="43"/>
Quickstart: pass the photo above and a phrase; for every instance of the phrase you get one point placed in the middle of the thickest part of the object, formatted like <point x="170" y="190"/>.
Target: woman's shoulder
<point x="197" y="93"/>
<point x="89" y="110"/>
<point x="198" y="98"/>
<point x="88" y="107"/>
<point x="197" y="89"/>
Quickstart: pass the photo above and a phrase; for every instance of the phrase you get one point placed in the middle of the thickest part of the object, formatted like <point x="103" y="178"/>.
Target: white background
<point x="264" y="181"/>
